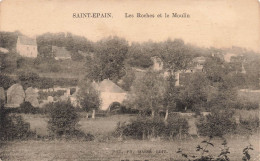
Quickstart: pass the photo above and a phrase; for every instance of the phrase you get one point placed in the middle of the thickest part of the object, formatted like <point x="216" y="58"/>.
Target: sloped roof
<point x="61" y="52"/>
<point x="108" y="86"/>
<point x="24" y="40"/>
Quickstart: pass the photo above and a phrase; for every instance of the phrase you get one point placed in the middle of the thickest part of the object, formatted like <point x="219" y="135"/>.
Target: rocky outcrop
<point x="15" y="95"/>
<point x="32" y="96"/>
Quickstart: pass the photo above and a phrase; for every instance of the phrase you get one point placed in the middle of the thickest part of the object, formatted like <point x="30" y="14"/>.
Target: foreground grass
<point x="114" y="150"/>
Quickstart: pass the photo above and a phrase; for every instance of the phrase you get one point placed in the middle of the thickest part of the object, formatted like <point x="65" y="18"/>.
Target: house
<point x="60" y="53"/>
<point x="26" y="47"/>
<point x="109" y="93"/>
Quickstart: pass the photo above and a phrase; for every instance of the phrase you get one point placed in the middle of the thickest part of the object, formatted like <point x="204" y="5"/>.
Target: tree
<point x="216" y="69"/>
<point x="6" y="81"/>
<point x="139" y="55"/>
<point x="171" y="95"/>
<point x="195" y="92"/>
<point x="128" y="80"/>
<point x="63" y="119"/>
<point x="29" y="79"/>
<point x="108" y="61"/>
<point x="12" y="126"/>
<point x="176" y="55"/>
<point x="149" y="92"/>
<point x="88" y="97"/>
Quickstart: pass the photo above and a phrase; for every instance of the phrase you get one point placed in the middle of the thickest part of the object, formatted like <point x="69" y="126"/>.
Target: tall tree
<point x="195" y="93"/>
<point x="88" y="97"/>
<point x="149" y="92"/>
<point x="170" y="96"/>
<point x="108" y="61"/>
<point x="176" y="55"/>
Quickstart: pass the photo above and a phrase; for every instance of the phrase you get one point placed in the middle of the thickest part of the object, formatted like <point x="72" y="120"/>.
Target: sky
<point x="216" y="23"/>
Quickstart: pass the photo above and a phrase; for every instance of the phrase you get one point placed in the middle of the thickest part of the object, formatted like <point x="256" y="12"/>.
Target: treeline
<point x="31" y="79"/>
<point x="112" y="58"/>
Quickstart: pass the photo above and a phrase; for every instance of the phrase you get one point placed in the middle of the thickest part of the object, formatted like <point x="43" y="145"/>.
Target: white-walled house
<point x="26" y="47"/>
<point x="109" y="93"/>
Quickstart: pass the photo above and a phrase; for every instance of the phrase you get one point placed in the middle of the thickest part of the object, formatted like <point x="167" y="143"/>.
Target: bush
<point x="13" y="126"/>
<point x="6" y="81"/>
<point x="177" y="125"/>
<point x="147" y="128"/>
<point x="216" y="124"/>
<point x="26" y="107"/>
<point x="247" y="126"/>
<point x="63" y="120"/>
<point x="29" y="79"/>
<point x="46" y="109"/>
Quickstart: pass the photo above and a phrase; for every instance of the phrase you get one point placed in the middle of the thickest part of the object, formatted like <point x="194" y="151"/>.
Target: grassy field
<point x="117" y="150"/>
<point x="97" y="126"/>
<point x="109" y="148"/>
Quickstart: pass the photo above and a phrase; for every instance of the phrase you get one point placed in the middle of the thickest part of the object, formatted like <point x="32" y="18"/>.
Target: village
<point x="118" y="85"/>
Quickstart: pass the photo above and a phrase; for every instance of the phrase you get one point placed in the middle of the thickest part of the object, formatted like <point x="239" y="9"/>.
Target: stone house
<point x="109" y="93"/>
<point x="26" y="47"/>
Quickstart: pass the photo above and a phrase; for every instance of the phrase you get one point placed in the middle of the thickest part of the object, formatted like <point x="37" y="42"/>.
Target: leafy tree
<point x="26" y="107"/>
<point x="171" y="95"/>
<point x="63" y="119"/>
<point x="108" y="62"/>
<point x="8" y="62"/>
<point x="195" y="93"/>
<point x="75" y="56"/>
<point x="29" y="79"/>
<point x="216" y="69"/>
<point x="128" y="80"/>
<point x="12" y="126"/>
<point x="149" y="92"/>
<point x="88" y="97"/>
<point x="218" y="123"/>
<point x="8" y="39"/>
<point x="176" y="55"/>
<point x="73" y="43"/>
<point x="6" y="81"/>
<point x="139" y="55"/>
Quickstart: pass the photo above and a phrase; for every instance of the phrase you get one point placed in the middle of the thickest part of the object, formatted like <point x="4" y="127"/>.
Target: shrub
<point x="63" y="120"/>
<point x="247" y="126"/>
<point x="29" y="79"/>
<point x="6" y="81"/>
<point x="13" y="126"/>
<point x="177" y="125"/>
<point x="216" y="124"/>
<point x="46" y="109"/>
<point x="147" y="128"/>
<point x="26" y="107"/>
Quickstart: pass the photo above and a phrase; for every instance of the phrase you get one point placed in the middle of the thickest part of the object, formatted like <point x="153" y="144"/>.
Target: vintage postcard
<point x="129" y="80"/>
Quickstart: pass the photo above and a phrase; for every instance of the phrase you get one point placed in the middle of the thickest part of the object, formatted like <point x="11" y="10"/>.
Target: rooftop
<point x="24" y="40"/>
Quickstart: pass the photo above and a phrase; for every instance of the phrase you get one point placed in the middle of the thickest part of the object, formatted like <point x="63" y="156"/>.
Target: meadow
<point x="105" y="147"/>
<point x="115" y="150"/>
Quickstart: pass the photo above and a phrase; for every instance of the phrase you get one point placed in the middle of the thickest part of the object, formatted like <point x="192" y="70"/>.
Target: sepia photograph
<point x="129" y="80"/>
